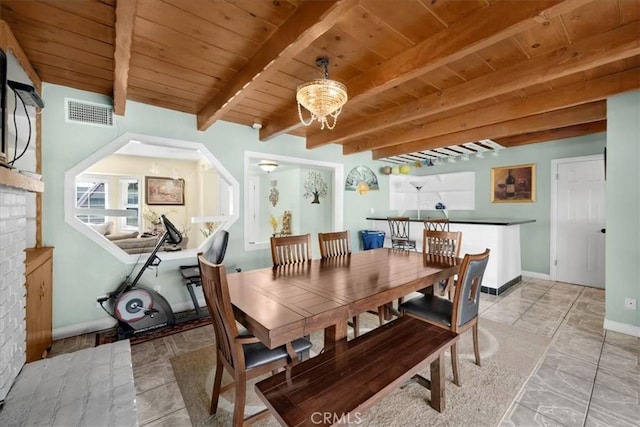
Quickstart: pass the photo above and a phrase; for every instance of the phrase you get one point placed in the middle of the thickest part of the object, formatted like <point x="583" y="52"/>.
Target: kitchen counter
<point x="500" y="235"/>
<point x="482" y="221"/>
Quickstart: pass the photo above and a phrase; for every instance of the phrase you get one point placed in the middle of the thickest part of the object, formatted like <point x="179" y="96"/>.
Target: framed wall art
<point x="164" y="191"/>
<point x="513" y="184"/>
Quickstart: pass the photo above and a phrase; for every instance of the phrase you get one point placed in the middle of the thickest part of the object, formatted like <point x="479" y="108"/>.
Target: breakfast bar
<point x="500" y="235"/>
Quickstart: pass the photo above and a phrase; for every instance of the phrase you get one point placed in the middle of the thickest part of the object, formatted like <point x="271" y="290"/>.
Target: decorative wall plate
<point x="361" y="179"/>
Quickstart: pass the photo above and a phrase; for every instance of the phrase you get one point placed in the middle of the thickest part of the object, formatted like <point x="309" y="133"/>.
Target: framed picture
<point x="513" y="184"/>
<point x="164" y="191"/>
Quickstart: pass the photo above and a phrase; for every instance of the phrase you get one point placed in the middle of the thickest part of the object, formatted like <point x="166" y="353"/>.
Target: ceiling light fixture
<point x="323" y="98"/>
<point x="268" y="165"/>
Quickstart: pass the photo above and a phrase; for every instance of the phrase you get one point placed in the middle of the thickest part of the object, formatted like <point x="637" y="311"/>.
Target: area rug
<point x="508" y="356"/>
<point x="111" y="335"/>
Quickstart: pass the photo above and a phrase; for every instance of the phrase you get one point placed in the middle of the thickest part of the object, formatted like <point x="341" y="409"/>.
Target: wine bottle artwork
<point x="511" y="185"/>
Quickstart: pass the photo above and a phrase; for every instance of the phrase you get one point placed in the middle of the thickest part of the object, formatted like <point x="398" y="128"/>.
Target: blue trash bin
<point x="372" y="239"/>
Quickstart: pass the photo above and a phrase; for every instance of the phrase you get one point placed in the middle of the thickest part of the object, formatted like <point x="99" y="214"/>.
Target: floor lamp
<point x="418" y="186"/>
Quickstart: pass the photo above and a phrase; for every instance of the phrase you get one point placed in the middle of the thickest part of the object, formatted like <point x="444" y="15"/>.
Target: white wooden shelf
<point x="455" y="190"/>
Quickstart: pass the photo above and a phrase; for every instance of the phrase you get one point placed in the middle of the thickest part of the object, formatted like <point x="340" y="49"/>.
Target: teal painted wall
<point x="83" y="270"/>
<point x="535" y="237"/>
<point x="623" y="207"/>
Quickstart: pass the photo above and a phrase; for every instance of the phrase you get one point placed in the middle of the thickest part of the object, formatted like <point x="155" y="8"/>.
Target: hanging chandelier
<point x="323" y="98"/>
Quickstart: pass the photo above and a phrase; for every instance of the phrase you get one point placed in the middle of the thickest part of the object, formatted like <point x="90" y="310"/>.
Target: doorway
<point x="578" y="220"/>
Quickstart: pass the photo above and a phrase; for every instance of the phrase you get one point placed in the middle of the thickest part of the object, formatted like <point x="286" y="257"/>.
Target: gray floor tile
<point x="597" y="418"/>
<point x="179" y="418"/>
<point x="568" y="364"/>
<point x="619" y="362"/>
<point x="156" y="403"/>
<point x="618" y="405"/>
<point x="562" y="398"/>
<point x="151" y="375"/>
<point x="519" y="416"/>
<point x="624" y="382"/>
<point x="622" y="345"/>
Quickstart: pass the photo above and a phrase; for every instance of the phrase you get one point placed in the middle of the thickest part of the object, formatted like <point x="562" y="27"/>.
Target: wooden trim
<point x="568" y="96"/>
<point x="38" y="170"/>
<point x="593" y="112"/>
<point x="35" y="257"/>
<point x="125" y="22"/>
<point x="308" y="22"/>
<point x="594" y="51"/>
<point x="21" y="182"/>
<point x="9" y="43"/>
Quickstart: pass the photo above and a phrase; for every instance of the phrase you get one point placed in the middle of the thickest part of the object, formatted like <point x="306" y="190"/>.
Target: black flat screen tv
<point x="4" y="155"/>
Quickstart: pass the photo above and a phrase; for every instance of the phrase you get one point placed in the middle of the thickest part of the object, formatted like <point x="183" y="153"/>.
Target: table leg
<point x="335" y="334"/>
<point x="438" y="384"/>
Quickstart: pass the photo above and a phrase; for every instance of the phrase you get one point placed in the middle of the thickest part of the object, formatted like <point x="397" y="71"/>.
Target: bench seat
<point x="342" y="383"/>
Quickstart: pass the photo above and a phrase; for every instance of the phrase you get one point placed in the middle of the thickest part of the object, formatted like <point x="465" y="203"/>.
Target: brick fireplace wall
<point x="13" y="242"/>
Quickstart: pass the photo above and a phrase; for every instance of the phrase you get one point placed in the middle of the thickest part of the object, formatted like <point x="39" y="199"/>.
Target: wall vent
<point x="88" y="113"/>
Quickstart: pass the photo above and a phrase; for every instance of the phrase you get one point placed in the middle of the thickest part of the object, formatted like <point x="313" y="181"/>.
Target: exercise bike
<point x="137" y="308"/>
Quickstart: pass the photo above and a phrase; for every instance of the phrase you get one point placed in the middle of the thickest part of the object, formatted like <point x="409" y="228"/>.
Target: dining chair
<point x="444" y="243"/>
<point x="337" y="244"/>
<point x="239" y="352"/>
<point x="334" y="244"/>
<point x="436" y="224"/>
<point x="399" y="231"/>
<point x="191" y="273"/>
<point x="458" y="315"/>
<point x="287" y="250"/>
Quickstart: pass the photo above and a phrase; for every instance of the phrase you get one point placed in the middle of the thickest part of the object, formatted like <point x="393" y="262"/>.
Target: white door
<point x="579" y="221"/>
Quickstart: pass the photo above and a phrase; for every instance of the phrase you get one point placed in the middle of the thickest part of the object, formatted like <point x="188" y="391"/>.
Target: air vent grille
<point x="88" y="113"/>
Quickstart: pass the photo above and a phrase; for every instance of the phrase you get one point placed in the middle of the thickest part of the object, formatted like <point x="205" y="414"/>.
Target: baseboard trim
<point x="502" y="289"/>
<point x="99" y="325"/>
<point x="536" y="275"/>
<point x="82" y="328"/>
<point x="623" y="328"/>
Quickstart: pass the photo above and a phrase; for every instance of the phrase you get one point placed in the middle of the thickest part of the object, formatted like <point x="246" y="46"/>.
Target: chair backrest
<point x="466" y="299"/>
<point x="290" y="249"/>
<point x="436" y="224"/>
<point x="216" y="293"/>
<point x="399" y="227"/>
<point x="334" y="244"/>
<point x="445" y="243"/>
<point x="215" y="254"/>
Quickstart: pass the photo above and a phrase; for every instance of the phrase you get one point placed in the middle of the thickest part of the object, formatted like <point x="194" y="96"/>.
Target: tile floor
<point x="588" y="377"/>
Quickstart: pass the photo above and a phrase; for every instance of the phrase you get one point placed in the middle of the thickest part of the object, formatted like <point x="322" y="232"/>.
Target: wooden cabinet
<point x="39" y="283"/>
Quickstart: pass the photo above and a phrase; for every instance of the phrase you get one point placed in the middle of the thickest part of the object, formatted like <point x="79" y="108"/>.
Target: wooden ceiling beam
<point x="586" y="54"/>
<point x="568" y="96"/>
<point x="125" y="22"/>
<point x="307" y="23"/>
<point x="553" y="134"/>
<point x="494" y="23"/>
<point x="9" y="43"/>
<point x="587" y="113"/>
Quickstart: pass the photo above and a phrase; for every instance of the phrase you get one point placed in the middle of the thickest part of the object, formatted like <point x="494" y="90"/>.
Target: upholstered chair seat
<point x="432" y="308"/>
<point x="257" y="354"/>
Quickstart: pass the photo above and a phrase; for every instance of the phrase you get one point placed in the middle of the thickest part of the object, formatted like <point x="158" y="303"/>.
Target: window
<point x="91" y="193"/>
<point x="211" y="194"/>
<point x="130" y="200"/>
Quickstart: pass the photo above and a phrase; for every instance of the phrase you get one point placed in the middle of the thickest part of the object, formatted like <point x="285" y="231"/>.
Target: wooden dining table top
<point x="284" y="303"/>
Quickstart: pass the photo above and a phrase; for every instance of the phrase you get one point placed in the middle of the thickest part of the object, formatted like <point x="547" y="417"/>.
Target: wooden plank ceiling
<point x="421" y="74"/>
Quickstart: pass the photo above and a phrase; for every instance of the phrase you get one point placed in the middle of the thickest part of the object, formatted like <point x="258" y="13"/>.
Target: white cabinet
<point x="455" y="190"/>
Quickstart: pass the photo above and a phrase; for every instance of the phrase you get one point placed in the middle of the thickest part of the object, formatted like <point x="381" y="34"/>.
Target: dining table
<point x="281" y="304"/>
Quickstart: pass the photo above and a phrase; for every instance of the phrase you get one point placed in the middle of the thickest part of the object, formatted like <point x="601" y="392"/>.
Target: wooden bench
<point x="338" y="386"/>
